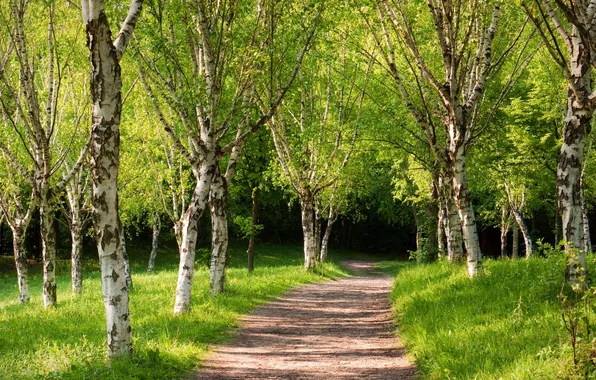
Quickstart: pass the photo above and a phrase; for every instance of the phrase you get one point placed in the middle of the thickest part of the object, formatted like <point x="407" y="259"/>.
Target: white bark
<point x="515" y="244"/>
<point x="75" y="257"/>
<point x="106" y="85"/>
<point x="154" y="242"/>
<point x="76" y="191"/>
<point x="504" y="230"/>
<point x="190" y="223"/>
<point x="466" y="213"/>
<point x="48" y="241"/>
<point x="219" y="233"/>
<point x="308" y="216"/>
<point x="250" y="252"/>
<point x="452" y="223"/>
<point x="517" y="207"/>
<point x="20" y="257"/>
<point x="331" y="219"/>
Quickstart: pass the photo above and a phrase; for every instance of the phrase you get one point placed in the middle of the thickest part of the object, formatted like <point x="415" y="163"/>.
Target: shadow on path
<point x="333" y="330"/>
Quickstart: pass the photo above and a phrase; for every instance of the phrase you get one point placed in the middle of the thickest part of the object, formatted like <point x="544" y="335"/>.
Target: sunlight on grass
<point x="69" y="341"/>
<point x="505" y="324"/>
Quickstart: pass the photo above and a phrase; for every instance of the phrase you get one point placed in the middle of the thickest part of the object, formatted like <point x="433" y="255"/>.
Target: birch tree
<point x="516" y="205"/>
<point x="567" y="30"/>
<point x="17" y="211"/>
<point x="37" y="117"/>
<point x="450" y="94"/>
<point x="77" y="193"/>
<point x="106" y="94"/>
<point x="203" y="84"/>
<point x="314" y="134"/>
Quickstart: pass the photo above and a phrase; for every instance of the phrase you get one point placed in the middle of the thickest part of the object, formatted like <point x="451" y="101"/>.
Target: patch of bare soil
<point x="333" y="330"/>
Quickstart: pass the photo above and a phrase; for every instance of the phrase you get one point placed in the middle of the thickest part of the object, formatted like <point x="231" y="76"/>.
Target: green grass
<point x="69" y="342"/>
<point x="505" y="324"/>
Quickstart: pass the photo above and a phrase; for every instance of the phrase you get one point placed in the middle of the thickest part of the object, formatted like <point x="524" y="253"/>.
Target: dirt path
<point x="334" y="330"/>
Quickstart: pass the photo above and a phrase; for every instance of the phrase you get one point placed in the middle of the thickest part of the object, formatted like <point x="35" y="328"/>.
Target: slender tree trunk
<point x="441" y="226"/>
<point x="48" y="242"/>
<point x="219" y="233"/>
<point x="585" y="221"/>
<point x="419" y="229"/>
<point x="466" y="213"/>
<point x="20" y="258"/>
<point x="504" y="230"/>
<point x="325" y="242"/>
<point x="154" y="242"/>
<point x="453" y="222"/>
<point x="127" y="270"/>
<point x="308" y="215"/>
<point x="433" y="222"/>
<point x="106" y="86"/>
<point x="317" y="232"/>
<point x="76" y="270"/>
<point x="515" y="244"/>
<point x="569" y="170"/>
<point x="525" y="232"/>
<point x="190" y="224"/>
<point x="250" y="252"/>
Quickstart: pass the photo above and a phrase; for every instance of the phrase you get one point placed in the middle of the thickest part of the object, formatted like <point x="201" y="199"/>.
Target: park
<point x="339" y="189"/>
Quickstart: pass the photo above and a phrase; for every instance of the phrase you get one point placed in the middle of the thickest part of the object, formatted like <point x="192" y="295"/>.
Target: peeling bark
<point x="106" y="86"/>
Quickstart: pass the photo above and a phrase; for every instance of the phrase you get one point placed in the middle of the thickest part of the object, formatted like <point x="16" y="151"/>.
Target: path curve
<point x="333" y="330"/>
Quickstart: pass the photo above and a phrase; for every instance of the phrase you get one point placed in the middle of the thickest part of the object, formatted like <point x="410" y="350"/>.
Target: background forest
<point x="173" y="134"/>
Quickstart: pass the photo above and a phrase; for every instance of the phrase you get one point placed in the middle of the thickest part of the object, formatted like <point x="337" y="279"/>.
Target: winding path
<point x="333" y="330"/>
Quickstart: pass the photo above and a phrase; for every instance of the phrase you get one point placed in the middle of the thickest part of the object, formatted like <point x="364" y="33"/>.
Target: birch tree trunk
<point x="525" y="232"/>
<point x="433" y="222"/>
<point x="466" y="213"/>
<point x="219" y="233"/>
<point x="317" y="232"/>
<point x="325" y="242"/>
<point x="154" y="242"/>
<point x="76" y="270"/>
<point x="515" y="244"/>
<point x="190" y="223"/>
<point x="106" y="86"/>
<point x="48" y="242"/>
<point x="585" y="221"/>
<point x="453" y="222"/>
<point x="250" y="252"/>
<point x="419" y="228"/>
<point x="308" y="216"/>
<point x="20" y="258"/>
<point x="504" y="230"/>
<point x="577" y="124"/>
<point x="441" y="226"/>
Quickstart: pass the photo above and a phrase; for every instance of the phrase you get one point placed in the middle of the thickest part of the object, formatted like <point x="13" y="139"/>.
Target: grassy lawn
<point x="70" y="342"/>
<point x="506" y="324"/>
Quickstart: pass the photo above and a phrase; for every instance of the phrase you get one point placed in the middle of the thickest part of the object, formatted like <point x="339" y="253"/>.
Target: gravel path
<point x="333" y="330"/>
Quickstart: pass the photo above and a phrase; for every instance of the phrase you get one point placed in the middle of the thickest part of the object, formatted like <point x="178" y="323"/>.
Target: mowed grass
<point x="69" y="341"/>
<point x="505" y="324"/>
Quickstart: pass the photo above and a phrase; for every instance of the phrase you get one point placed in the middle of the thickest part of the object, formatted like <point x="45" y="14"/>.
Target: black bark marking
<point x="115" y="276"/>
